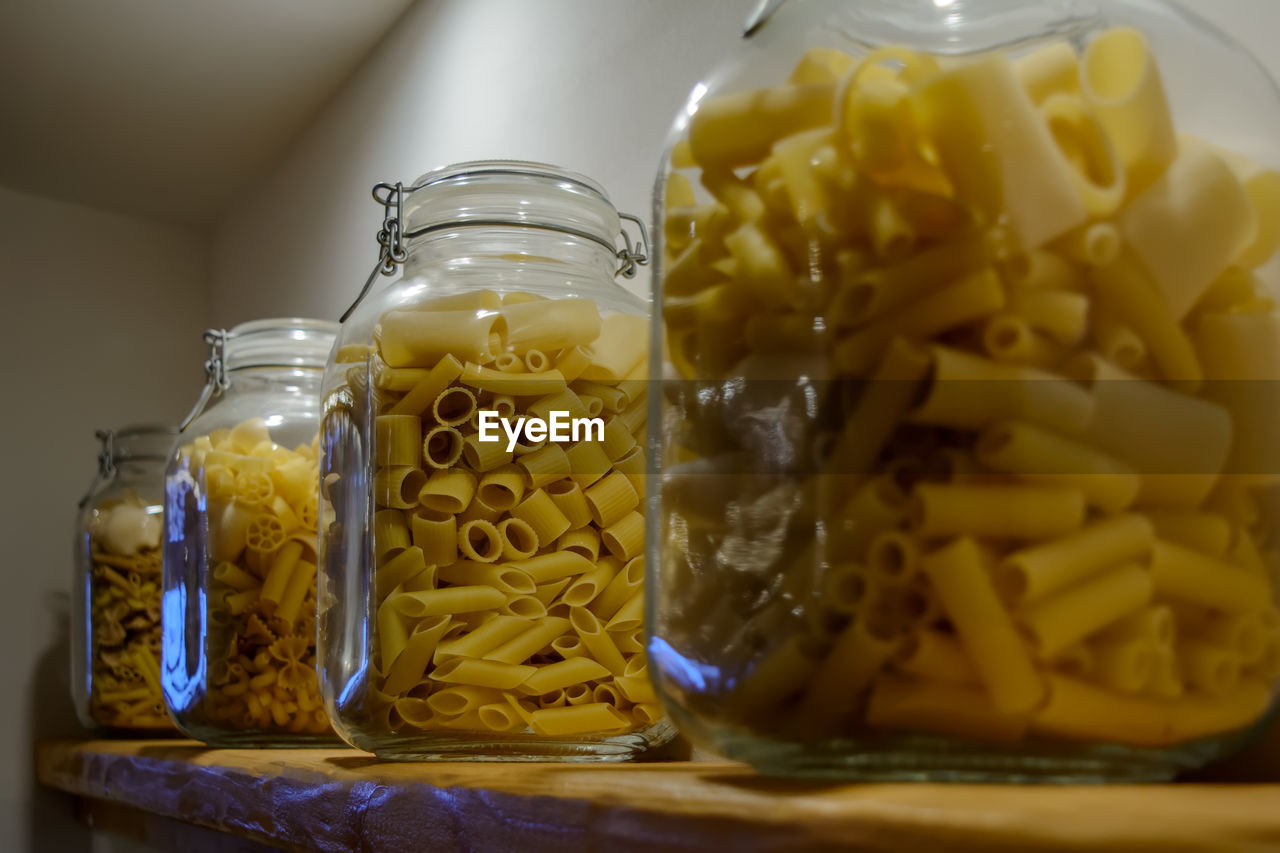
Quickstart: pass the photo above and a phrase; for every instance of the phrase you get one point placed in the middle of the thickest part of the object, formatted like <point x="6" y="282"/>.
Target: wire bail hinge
<point x="215" y="372"/>
<point x="633" y="255"/>
<point x="390" y="238"/>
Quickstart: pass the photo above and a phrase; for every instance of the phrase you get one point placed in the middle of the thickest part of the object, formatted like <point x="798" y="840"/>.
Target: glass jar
<point x="240" y="512"/>
<point x="482" y="594"/>
<point x="115" y="613"/>
<point x="967" y="429"/>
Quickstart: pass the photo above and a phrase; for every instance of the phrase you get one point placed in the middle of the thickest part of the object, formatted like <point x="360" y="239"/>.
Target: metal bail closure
<point x="215" y="371"/>
<point x="390" y="238"/>
<point x="631" y="254"/>
<point x="106" y="463"/>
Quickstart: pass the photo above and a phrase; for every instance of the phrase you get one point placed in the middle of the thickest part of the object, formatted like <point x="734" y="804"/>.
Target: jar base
<point x="456" y="747"/>
<point x="264" y="740"/>
<point x="910" y="758"/>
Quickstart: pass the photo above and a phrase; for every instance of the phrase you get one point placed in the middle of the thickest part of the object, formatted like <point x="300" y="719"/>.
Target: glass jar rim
<point x="511" y="193"/>
<point x="280" y="342"/>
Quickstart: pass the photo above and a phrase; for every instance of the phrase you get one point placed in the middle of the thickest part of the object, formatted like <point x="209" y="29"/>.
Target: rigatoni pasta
<point x="507" y="587"/>
<point x="955" y="435"/>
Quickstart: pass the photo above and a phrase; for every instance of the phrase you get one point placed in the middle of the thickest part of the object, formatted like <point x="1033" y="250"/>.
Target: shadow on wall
<point x="52" y="826"/>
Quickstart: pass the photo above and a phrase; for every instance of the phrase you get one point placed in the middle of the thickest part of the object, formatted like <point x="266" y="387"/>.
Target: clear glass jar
<point x="240" y="513"/>
<point x="484" y="599"/>
<point x="960" y="476"/>
<point x="115" y="612"/>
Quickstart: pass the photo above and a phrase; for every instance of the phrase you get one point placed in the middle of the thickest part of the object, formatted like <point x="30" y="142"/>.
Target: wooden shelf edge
<point x="340" y="800"/>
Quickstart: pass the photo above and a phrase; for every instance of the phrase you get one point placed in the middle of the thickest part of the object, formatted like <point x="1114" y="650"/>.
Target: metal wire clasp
<point x="633" y="255"/>
<point x="106" y="463"/>
<point x="215" y="372"/>
<point x="390" y="238"/>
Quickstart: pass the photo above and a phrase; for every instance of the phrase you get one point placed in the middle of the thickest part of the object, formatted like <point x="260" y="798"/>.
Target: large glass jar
<point x="115" y="612"/>
<point x="968" y="434"/>
<point x="240" y="514"/>
<point x="484" y="598"/>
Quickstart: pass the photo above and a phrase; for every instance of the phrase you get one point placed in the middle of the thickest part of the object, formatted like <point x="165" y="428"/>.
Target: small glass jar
<point x="115" y="613"/>
<point x="240" y="549"/>
<point x="484" y="598"/>
<point x="967" y="426"/>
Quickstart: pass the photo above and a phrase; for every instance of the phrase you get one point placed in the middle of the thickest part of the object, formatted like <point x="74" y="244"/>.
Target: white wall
<point x="102" y="317"/>
<point x="584" y="84"/>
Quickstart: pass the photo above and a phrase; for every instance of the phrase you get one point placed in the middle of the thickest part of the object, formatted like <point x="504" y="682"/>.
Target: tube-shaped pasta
<point x="998" y="152"/>
<point x="587" y="462"/>
<point x="398" y="440"/>
<point x="436" y="533"/>
<point x="1128" y="665"/>
<point x="1121" y="82"/>
<point x="584" y="541"/>
<point x="1057" y="621"/>
<point x="504" y="578"/>
<point x="893" y="556"/>
<point x="598" y="643"/>
<point x="484" y="456"/>
<point x="855" y="658"/>
<point x="481" y="641"/>
<point x="937" y="706"/>
<point x="400" y="569"/>
<point x="540" y="512"/>
<point x="519" y="539"/>
<point x="969" y="392"/>
<point x="935" y="656"/>
<point x="503" y="487"/>
<point x="442" y="447"/>
<point x="549" y="325"/>
<point x="390" y="534"/>
<point x="625" y="538"/>
<point x="545" y="568"/>
<point x="1000" y="657"/>
<point x="398" y="487"/>
<point x="1039" y="570"/>
<point x="1017" y="512"/>
<point x="295" y="591"/>
<point x="611" y="498"/>
<point x="545" y="465"/>
<point x="1184" y="575"/>
<point x="448" y="490"/>
<point x="415" y="338"/>
<point x="482" y="673"/>
<point x="524" y="645"/>
<point x="1039" y="456"/>
<point x="1189" y="225"/>
<point x="454" y="599"/>
<point x="479" y="540"/>
<point x="278" y="575"/>
<point x="1049" y="69"/>
<point x="512" y="384"/>
<point x="624" y="584"/>
<point x="408" y="666"/>
<point x="562" y="674"/>
<point x="1098" y="173"/>
<point x="579" y="719"/>
<point x="969" y="298"/>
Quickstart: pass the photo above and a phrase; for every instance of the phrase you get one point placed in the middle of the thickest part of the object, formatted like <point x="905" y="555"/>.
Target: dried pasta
<point x="507" y="596"/>
<point x="124" y="615"/>
<point x="955" y="437"/>
<point x="262" y="593"/>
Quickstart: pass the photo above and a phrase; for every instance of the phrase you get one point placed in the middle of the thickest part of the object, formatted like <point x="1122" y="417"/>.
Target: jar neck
<point x="944" y="26"/>
<point x="261" y="379"/>
<point x="140" y="468"/>
<point x="474" y="247"/>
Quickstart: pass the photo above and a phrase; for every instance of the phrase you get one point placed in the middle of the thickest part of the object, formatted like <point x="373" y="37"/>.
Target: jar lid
<point x="501" y="194"/>
<point x="510" y="192"/>
<point x="279" y="342"/>
<point x="132" y="443"/>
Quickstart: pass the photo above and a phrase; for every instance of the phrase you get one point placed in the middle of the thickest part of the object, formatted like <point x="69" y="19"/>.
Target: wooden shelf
<point x="340" y="800"/>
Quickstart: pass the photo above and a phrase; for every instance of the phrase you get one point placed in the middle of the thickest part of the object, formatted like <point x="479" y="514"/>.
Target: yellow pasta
<point x="1018" y="512"/>
<point x="448" y="490"/>
<point x="960" y="577"/>
<point x="1058" y="621"/>
<point x="436" y="533"/>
